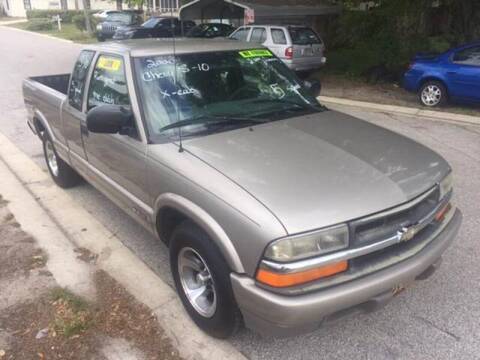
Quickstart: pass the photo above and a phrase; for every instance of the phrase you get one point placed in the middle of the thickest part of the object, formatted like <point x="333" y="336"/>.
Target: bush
<point x="66" y="15"/>
<point x="79" y="22"/>
<point x="39" y="24"/>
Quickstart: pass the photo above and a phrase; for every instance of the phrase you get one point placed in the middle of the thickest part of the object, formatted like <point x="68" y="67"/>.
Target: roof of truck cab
<point x="165" y="46"/>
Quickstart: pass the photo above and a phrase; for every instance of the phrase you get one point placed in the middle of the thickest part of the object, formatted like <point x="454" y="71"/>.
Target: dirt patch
<point x="38" y="320"/>
<point x="381" y="93"/>
<point x="18" y="251"/>
<point x="60" y="325"/>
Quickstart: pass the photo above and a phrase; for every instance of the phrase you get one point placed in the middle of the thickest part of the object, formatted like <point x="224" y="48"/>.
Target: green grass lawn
<point x="69" y="32"/>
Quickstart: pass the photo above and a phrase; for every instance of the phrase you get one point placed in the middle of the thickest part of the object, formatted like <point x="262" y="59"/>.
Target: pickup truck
<point x="278" y="212"/>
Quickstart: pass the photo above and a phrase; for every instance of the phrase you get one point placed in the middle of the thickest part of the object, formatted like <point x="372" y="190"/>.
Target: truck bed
<point x="57" y="82"/>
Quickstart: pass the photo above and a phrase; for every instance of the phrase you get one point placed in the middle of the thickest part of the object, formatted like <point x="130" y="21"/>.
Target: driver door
<point x="117" y="162"/>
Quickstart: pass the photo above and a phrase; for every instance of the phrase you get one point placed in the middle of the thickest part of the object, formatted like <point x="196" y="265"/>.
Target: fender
<point x="38" y="116"/>
<point x="206" y="222"/>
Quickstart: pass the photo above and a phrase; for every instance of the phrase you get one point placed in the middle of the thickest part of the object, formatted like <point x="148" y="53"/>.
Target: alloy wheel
<point x="431" y="95"/>
<point x="51" y="158"/>
<point x="197" y="282"/>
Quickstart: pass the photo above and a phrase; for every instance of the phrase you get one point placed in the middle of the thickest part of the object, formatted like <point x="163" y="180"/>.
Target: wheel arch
<point x="433" y="78"/>
<point x="41" y="125"/>
<point x="171" y="209"/>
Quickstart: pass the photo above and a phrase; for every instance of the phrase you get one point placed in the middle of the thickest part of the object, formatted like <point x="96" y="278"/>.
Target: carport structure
<point x="260" y="12"/>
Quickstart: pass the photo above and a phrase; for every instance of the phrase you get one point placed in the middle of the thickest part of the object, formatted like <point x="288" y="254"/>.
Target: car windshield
<point x="119" y="17"/>
<point x="303" y="36"/>
<point x="150" y="23"/>
<point x="194" y="90"/>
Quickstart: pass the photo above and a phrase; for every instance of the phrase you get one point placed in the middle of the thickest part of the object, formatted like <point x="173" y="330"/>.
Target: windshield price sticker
<point x="109" y="64"/>
<point x="248" y="54"/>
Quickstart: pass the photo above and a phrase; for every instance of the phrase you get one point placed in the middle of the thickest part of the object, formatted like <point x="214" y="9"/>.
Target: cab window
<point x="278" y="36"/>
<point x="259" y="35"/>
<point x="108" y="84"/>
<point x="241" y="34"/>
<point x="79" y="75"/>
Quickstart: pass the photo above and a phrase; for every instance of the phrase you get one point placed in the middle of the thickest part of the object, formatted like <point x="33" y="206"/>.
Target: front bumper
<point x="281" y="315"/>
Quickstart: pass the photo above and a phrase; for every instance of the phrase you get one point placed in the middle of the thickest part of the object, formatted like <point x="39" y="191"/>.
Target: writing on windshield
<point x="234" y="83"/>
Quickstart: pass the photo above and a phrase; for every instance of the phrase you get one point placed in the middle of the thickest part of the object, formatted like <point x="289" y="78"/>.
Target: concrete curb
<point x="434" y="115"/>
<point x="35" y="33"/>
<point x="44" y="210"/>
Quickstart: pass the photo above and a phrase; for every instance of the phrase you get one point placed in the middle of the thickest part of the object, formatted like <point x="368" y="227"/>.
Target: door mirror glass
<point x="110" y="119"/>
<point x="313" y="86"/>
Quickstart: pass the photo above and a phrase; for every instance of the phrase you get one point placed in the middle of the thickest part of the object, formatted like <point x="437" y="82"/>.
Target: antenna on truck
<point x="174" y="44"/>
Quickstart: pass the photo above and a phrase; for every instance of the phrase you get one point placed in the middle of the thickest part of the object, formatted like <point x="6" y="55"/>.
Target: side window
<point x="470" y="56"/>
<point x="259" y="35"/>
<point x="79" y="75"/>
<point x="278" y="37"/>
<point x="241" y="35"/>
<point x="108" y="84"/>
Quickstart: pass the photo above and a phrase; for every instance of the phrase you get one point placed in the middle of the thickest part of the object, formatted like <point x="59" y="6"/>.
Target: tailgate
<point x="306" y="43"/>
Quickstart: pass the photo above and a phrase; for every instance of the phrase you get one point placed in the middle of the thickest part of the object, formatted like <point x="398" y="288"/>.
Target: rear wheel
<point x="202" y="279"/>
<point x="433" y="93"/>
<point x="63" y="175"/>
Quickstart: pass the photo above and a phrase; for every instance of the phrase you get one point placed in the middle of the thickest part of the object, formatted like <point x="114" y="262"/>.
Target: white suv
<point x="300" y="47"/>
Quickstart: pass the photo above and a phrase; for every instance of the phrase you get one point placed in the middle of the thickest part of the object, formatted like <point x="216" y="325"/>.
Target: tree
<point x="86" y="14"/>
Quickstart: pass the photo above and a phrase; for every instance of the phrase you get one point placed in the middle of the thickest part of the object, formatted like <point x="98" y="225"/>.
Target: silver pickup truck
<point x="278" y="212"/>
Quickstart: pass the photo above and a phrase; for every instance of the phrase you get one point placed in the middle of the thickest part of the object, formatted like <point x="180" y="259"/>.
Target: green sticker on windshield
<point x="247" y="54"/>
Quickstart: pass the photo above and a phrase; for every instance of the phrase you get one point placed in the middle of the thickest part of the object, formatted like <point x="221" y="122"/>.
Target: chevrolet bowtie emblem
<point x="407" y="233"/>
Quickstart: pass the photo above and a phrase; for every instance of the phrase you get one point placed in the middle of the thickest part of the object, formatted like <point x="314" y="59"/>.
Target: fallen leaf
<point x="2" y="353"/>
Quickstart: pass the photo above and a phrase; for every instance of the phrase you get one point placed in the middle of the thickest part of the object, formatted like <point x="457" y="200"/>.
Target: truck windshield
<point x="196" y="90"/>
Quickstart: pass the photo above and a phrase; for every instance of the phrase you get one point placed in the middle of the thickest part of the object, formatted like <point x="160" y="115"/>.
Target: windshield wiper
<point x="212" y="120"/>
<point x="303" y="106"/>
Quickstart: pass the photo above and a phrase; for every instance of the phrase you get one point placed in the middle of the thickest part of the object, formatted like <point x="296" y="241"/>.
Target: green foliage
<point x="67" y="16"/>
<point x="390" y="34"/>
<point x="39" y="24"/>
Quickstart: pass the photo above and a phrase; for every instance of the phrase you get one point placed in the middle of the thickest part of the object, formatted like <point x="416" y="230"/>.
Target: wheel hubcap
<point x="51" y="158"/>
<point x="431" y="95"/>
<point x="197" y="282"/>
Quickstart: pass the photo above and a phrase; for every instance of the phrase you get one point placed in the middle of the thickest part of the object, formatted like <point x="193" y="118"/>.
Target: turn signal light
<point x="279" y="280"/>
<point x="444" y="211"/>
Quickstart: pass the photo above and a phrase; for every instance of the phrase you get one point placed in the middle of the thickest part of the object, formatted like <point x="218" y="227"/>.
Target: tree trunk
<point x="86" y="13"/>
<point x="76" y="4"/>
<point x="119" y="4"/>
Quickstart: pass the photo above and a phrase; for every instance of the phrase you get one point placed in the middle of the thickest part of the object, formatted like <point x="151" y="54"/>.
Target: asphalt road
<point x="435" y="319"/>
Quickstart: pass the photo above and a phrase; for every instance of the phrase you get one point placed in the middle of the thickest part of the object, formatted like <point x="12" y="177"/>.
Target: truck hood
<point x="322" y="169"/>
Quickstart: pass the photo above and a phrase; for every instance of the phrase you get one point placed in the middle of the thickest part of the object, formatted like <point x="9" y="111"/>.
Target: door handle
<point x="451" y="72"/>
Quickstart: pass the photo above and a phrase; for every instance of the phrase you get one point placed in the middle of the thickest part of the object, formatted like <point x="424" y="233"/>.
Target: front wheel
<point x="63" y="175"/>
<point x="433" y="93"/>
<point x="202" y="279"/>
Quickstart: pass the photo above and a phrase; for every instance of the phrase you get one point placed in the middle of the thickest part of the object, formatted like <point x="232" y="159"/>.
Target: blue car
<point x="453" y="75"/>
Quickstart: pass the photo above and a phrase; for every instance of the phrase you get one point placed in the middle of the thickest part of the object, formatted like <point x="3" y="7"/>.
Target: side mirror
<point x="313" y="86"/>
<point x="109" y="119"/>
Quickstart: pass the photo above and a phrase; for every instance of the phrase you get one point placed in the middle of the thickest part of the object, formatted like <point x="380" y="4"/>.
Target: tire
<point x="433" y="94"/>
<point x="63" y="175"/>
<point x="215" y="311"/>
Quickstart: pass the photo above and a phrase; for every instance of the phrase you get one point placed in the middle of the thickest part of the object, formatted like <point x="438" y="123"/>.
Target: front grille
<point x="377" y="228"/>
<point x="109" y="28"/>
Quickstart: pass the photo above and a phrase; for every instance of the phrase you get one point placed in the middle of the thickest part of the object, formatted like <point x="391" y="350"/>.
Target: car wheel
<point x="202" y="279"/>
<point x="433" y="93"/>
<point x="63" y="175"/>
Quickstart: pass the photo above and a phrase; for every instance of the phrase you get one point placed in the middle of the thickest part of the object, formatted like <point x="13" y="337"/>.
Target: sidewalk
<point x="94" y="270"/>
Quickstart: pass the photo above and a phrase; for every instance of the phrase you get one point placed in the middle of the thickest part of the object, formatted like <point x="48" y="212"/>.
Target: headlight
<point x="99" y="27"/>
<point x="446" y="185"/>
<point x="309" y="245"/>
